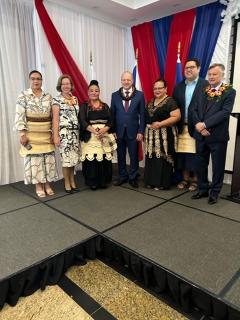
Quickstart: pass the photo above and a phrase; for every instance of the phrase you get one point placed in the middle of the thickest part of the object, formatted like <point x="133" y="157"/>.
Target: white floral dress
<point x="68" y="130"/>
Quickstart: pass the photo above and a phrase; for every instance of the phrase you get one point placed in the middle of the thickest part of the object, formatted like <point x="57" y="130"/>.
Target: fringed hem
<point x="98" y="157"/>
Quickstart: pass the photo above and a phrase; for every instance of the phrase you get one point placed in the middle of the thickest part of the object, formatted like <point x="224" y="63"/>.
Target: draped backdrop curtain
<point x="205" y="35"/>
<point x="197" y="30"/>
<point x="148" y="68"/>
<point x="61" y="53"/>
<point x="161" y="35"/>
<point x="17" y="58"/>
<point x="181" y="31"/>
<point x="81" y="35"/>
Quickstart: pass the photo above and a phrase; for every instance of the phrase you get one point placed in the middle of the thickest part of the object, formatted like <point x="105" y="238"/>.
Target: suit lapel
<point x="120" y="101"/>
<point x="182" y="93"/>
<point x="209" y="105"/>
<point x="196" y="91"/>
<point x="132" y="102"/>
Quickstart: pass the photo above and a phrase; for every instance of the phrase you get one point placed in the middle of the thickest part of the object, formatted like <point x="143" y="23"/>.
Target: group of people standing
<point x="179" y="132"/>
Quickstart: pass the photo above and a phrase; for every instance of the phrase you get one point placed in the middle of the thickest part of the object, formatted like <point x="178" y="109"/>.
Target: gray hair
<point x="127" y="72"/>
<point x="220" y="65"/>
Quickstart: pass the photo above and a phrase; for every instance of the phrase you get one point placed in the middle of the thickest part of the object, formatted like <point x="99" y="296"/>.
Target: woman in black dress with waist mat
<point x="161" y="115"/>
<point x="97" y="144"/>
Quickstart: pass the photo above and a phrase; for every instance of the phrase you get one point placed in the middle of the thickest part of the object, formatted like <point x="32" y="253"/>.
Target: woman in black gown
<point x="97" y="144"/>
<point x="160" y="137"/>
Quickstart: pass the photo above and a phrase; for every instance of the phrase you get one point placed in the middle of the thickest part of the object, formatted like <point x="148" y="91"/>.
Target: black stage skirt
<point x="158" y="172"/>
<point x="97" y="173"/>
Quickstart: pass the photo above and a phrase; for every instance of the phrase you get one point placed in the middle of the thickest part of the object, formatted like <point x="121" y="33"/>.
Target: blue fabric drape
<point x="161" y="29"/>
<point x="179" y="76"/>
<point x="205" y="35"/>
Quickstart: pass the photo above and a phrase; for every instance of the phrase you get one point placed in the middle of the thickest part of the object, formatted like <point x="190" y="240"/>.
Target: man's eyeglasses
<point x="190" y="67"/>
<point x="37" y="79"/>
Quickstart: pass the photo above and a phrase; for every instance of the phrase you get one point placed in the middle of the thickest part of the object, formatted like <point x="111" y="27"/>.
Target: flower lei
<point x="213" y="94"/>
<point x="71" y="101"/>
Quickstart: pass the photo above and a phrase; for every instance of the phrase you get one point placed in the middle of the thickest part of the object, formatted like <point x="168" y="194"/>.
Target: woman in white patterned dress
<point x="66" y="130"/>
<point x="33" y="122"/>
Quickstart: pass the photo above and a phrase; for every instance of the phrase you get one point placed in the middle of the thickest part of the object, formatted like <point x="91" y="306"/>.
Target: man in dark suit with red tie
<point x="127" y="108"/>
<point x="210" y="120"/>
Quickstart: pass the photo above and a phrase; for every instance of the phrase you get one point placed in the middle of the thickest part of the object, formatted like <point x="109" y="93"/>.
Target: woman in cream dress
<point x="33" y="122"/>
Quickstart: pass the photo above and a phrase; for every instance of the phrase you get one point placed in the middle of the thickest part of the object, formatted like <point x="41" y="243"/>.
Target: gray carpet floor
<point x="192" y="239"/>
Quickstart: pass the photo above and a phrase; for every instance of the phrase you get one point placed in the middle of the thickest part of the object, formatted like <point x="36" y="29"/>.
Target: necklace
<point x="151" y="107"/>
<point x="97" y="106"/>
<point x="159" y="101"/>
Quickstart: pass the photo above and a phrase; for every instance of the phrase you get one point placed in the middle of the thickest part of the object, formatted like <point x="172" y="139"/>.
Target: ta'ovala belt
<point x="33" y="119"/>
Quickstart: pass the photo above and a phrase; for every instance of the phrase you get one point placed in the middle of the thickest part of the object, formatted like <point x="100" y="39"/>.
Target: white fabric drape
<point x="84" y="35"/>
<point x="221" y="52"/>
<point x="17" y="58"/>
<point x="24" y="47"/>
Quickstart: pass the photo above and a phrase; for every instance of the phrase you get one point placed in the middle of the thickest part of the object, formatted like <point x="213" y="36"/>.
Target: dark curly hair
<point x="93" y="83"/>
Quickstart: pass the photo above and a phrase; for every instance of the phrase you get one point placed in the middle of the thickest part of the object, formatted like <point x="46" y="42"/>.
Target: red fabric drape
<point x="61" y="53"/>
<point x="148" y="68"/>
<point x="181" y="30"/>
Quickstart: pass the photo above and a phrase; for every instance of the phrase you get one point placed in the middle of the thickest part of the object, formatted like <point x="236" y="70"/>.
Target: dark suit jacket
<point x="179" y="97"/>
<point x="133" y="120"/>
<point x="215" y="115"/>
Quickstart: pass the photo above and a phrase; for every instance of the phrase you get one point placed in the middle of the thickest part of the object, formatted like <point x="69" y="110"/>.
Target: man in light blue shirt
<point x="185" y="94"/>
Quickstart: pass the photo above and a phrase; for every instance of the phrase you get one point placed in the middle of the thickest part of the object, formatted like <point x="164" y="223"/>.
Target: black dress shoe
<point x="119" y="182"/>
<point x="94" y="188"/>
<point x="75" y="189"/>
<point x="200" y="195"/>
<point x="212" y="200"/>
<point x="133" y="183"/>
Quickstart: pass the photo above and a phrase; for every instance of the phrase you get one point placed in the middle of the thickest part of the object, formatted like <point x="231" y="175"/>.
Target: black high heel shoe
<point x="75" y="189"/>
<point x="68" y="190"/>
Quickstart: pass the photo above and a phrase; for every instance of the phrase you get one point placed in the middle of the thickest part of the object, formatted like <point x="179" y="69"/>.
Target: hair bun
<point x="93" y="83"/>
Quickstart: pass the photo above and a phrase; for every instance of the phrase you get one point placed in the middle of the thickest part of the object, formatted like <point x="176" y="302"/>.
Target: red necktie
<point x="126" y="105"/>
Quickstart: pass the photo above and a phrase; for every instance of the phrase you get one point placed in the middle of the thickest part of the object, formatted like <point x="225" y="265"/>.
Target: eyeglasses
<point x="190" y="67"/>
<point x="37" y="79"/>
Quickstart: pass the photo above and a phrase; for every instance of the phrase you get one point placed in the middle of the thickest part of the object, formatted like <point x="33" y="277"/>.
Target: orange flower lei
<point x="71" y="101"/>
<point x="216" y="94"/>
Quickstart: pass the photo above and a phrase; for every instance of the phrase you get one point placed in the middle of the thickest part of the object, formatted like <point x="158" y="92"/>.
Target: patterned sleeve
<point x="172" y="104"/>
<point x="55" y="100"/>
<point x="20" y="117"/>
